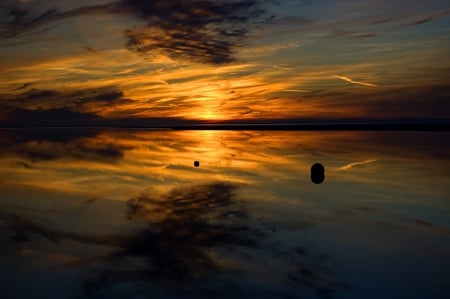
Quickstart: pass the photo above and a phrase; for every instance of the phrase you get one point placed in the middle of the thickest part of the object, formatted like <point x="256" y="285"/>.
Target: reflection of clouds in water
<point x="195" y="236"/>
<point x="237" y="150"/>
<point x="51" y="144"/>
<point x="197" y="241"/>
<point x="184" y="225"/>
<point x="350" y="165"/>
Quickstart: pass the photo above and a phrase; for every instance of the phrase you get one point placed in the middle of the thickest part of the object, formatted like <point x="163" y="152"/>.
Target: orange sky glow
<point x="284" y="60"/>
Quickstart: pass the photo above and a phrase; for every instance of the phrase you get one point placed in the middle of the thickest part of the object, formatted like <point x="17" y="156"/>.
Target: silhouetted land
<point x="320" y="127"/>
<point x="269" y="127"/>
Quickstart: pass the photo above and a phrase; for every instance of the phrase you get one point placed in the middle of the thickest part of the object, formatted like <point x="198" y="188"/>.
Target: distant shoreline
<point x="266" y="127"/>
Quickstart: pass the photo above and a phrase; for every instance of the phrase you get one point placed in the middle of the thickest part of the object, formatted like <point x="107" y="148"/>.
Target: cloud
<point x="422" y="96"/>
<point x="20" y="117"/>
<point x="79" y="100"/>
<point x="371" y="21"/>
<point x="23" y="86"/>
<point x="353" y="81"/>
<point x="200" y="31"/>
<point x="89" y="49"/>
<point x="353" y="34"/>
<point x="431" y="226"/>
<point x="428" y="18"/>
<point x="72" y="107"/>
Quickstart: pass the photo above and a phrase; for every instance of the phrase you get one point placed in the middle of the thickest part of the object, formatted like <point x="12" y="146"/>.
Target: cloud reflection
<point x="57" y="144"/>
<point x="184" y="229"/>
<point x="350" y="165"/>
<point x="236" y="224"/>
<point x="194" y="240"/>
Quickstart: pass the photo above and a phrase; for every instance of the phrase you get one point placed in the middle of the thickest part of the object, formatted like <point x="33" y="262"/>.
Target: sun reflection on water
<point x="110" y="201"/>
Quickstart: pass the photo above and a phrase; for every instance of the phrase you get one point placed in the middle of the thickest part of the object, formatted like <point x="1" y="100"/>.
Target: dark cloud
<point x="35" y="94"/>
<point x="382" y="21"/>
<point x="18" y="18"/>
<point x="352" y="34"/>
<point x="420" y="21"/>
<point x="37" y="107"/>
<point x="203" y="31"/>
<point x="78" y="108"/>
<point x="365" y="35"/>
<point x="65" y="117"/>
<point x="83" y="101"/>
<point x="20" y="117"/>
<point x="89" y="49"/>
<point x="23" y="86"/>
<point x="430" y="226"/>
<point x="428" y="18"/>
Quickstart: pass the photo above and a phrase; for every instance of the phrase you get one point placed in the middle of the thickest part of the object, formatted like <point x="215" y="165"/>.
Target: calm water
<point x="125" y="214"/>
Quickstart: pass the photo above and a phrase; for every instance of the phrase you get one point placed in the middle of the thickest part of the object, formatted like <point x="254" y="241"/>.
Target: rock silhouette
<point x="317" y="173"/>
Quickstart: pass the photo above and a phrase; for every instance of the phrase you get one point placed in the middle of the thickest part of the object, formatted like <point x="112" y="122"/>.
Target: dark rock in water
<point x="196" y="163"/>
<point x="317" y="173"/>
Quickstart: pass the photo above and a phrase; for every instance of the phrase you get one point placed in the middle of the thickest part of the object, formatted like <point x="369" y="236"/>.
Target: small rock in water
<point x="317" y="173"/>
<point x="196" y="163"/>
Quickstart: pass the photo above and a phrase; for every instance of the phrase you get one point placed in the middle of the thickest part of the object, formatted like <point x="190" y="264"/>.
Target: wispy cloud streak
<point x="353" y="81"/>
<point x="350" y="165"/>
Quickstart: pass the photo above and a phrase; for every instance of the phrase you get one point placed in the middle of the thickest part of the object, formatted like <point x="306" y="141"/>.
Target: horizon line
<point x="366" y="126"/>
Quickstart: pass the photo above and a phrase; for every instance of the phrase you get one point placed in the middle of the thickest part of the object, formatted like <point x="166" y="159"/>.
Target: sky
<point x="152" y="62"/>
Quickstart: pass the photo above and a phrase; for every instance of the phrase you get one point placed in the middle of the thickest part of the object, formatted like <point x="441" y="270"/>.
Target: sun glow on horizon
<point x="272" y="75"/>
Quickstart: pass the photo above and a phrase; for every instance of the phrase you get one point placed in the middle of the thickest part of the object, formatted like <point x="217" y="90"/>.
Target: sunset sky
<point x="83" y="62"/>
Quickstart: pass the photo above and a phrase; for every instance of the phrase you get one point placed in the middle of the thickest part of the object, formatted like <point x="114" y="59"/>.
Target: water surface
<point x="125" y="214"/>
